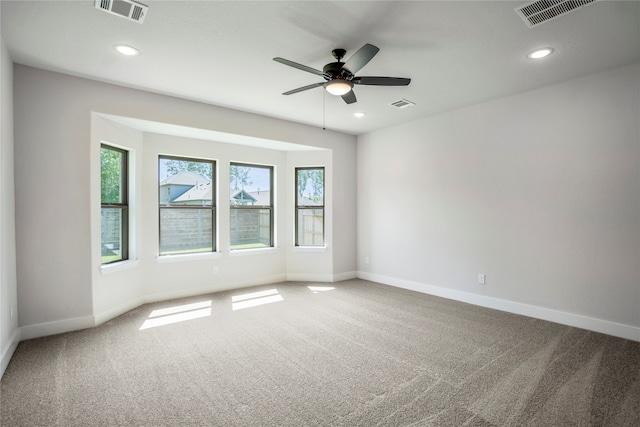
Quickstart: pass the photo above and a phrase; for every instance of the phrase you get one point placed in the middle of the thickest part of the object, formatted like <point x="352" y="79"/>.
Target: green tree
<point x="111" y="167"/>
<point x="311" y="184"/>
<point x="174" y="167"/>
<point x="239" y="177"/>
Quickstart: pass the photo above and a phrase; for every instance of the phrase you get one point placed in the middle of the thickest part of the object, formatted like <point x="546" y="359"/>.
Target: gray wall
<point x="9" y="333"/>
<point x="60" y="284"/>
<point x="539" y="191"/>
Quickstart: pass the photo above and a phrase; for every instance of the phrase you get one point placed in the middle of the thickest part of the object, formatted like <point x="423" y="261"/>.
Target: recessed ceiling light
<point x="540" y="53"/>
<point x="359" y="114"/>
<point x="126" y="50"/>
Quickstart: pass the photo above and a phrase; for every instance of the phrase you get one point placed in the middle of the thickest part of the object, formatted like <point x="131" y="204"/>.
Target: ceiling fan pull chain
<point x="324" y="110"/>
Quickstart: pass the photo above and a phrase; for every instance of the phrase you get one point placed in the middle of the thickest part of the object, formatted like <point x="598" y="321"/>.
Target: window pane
<point x="310" y="227"/>
<point x="113" y="195"/>
<point x="185" y="182"/>
<point x="250" y="228"/>
<point x="185" y="230"/>
<point x="187" y="205"/>
<point x="113" y="223"/>
<point x="309" y="206"/>
<point x="251" y="202"/>
<point x="310" y="187"/>
<point x="250" y="185"/>
<point x="112" y="179"/>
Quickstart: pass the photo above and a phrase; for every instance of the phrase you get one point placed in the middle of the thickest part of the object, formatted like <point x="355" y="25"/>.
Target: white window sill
<point x="309" y="249"/>
<point x="257" y="251"/>
<point x="187" y="257"/>
<point x="118" y="266"/>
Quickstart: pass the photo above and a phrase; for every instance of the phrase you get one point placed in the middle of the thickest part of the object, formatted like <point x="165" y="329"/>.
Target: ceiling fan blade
<point x="361" y="58"/>
<point x="381" y="81"/>
<point x="303" y="88"/>
<point x="349" y="97"/>
<point x="298" y="66"/>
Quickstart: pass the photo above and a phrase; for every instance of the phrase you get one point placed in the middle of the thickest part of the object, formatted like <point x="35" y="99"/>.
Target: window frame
<point x="299" y="207"/>
<point x="269" y="207"/>
<point x="123" y="205"/>
<point x="212" y="207"/>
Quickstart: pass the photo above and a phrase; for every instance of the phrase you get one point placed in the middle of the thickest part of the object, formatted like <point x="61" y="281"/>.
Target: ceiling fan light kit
<point x="340" y="76"/>
<point x="338" y="87"/>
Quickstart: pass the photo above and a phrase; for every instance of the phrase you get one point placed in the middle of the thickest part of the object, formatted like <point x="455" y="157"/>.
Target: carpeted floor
<point x="353" y="353"/>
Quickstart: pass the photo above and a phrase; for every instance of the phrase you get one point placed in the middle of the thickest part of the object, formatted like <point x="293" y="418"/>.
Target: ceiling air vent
<point x="124" y="8"/>
<point x="537" y="12"/>
<point x="402" y="103"/>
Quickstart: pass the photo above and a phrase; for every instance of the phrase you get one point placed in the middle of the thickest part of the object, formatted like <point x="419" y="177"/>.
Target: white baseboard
<point x="220" y="287"/>
<point x="57" y="327"/>
<point x="114" y="312"/>
<point x="323" y="278"/>
<point x="339" y="277"/>
<point x="8" y="350"/>
<point x="302" y="277"/>
<point x="593" y="324"/>
<point x="69" y="325"/>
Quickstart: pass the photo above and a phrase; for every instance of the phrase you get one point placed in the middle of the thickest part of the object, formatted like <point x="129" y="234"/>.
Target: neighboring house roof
<point x="185" y="178"/>
<point x="239" y="196"/>
<point x="258" y="198"/>
<point x="186" y="188"/>
<point x="262" y="197"/>
<point x="200" y="192"/>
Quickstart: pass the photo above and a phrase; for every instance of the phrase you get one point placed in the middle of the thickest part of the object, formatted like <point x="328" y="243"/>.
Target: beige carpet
<point x="304" y="354"/>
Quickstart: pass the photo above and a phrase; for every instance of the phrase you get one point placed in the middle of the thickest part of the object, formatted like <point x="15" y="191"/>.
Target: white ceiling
<point x="457" y="53"/>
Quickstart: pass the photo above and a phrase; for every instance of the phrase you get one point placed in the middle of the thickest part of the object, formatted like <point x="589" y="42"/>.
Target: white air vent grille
<point x="402" y="103"/>
<point x="537" y="12"/>
<point x="124" y="8"/>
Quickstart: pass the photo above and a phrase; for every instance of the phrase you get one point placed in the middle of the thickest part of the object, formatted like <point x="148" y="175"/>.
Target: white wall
<point x="313" y="263"/>
<point x="60" y="284"/>
<point x="148" y="277"/>
<point x="344" y="223"/>
<point x="539" y="191"/>
<point x="118" y="288"/>
<point x="9" y="332"/>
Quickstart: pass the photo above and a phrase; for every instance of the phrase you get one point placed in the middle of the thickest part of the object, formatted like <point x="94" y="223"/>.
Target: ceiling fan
<point x="340" y="76"/>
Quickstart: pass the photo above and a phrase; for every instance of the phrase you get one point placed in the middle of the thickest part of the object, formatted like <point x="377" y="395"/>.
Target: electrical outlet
<point x="482" y="279"/>
<point x="366" y="260"/>
<point x="216" y="270"/>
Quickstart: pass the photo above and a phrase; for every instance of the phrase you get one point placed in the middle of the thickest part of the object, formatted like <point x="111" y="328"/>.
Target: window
<point x="114" y="203"/>
<point x="251" y="206"/>
<point x="187" y="205"/>
<point x="309" y="206"/>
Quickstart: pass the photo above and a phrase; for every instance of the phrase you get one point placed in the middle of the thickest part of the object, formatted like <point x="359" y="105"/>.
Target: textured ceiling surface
<point x="457" y="53"/>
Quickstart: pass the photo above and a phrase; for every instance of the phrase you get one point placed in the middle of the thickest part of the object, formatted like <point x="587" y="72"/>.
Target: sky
<point x="258" y="178"/>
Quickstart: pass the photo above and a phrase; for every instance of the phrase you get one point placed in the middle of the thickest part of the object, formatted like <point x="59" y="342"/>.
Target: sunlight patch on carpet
<point x="255" y="299"/>
<point x="316" y="289"/>
<point x="179" y="313"/>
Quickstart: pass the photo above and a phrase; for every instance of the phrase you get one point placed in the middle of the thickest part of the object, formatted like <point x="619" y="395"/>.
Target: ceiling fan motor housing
<point x="335" y="70"/>
<point x="338" y="53"/>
